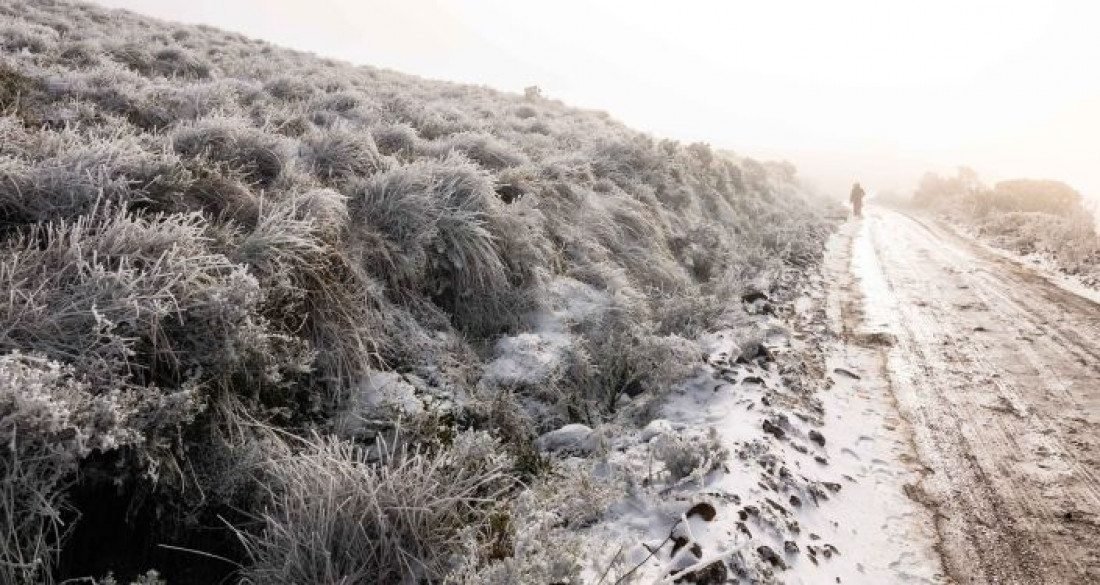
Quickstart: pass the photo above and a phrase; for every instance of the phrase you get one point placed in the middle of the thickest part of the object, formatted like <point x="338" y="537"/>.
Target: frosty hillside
<point x="275" y="317"/>
<point x="271" y="308"/>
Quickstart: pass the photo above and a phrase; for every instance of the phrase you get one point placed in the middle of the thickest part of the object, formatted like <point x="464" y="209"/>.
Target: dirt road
<point x="997" y="372"/>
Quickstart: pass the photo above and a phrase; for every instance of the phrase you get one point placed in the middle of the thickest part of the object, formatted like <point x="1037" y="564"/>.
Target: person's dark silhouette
<point x="857" y="200"/>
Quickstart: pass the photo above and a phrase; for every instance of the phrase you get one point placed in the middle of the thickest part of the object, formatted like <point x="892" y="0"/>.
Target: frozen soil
<point x="995" y="366"/>
<point x="821" y="475"/>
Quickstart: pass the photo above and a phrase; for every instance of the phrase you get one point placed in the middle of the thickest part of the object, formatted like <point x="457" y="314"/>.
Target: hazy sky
<point x="878" y="90"/>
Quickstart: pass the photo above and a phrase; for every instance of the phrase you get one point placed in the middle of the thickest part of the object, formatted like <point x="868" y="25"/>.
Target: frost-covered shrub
<point x="524" y="112"/>
<point x="544" y="546"/>
<point x="64" y="173"/>
<point x="482" y="149"/>
<point x="340" y="513"/>
<point x="50" y="420"/>
<point x="164" y="106"/>
<point x="81" y="53"/>
<point x="258" y="156"/>
<point x="339" y="102"/>
<point x="46" y="418"/>
<point x="176" y="62"/>
<point x="129" y="298"/>
<point x="337" y="155"/>
<point x="19" y="94"/>
<point x="694" y="456"/>
<point x="24" y="36"/>
<point x="1070" y="239"/>
<point x="132" y="55"/>
<point x="427" y="225"/>
<point x="627" y="360"/>
<point x="311" y="289"/>
<point x="1024" y="215"/>
<point x="289" y="89"/>
<point x="395" y="138"/>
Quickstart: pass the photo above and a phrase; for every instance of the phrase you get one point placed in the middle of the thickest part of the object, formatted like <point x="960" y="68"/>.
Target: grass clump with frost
<point x="340" y="513"/>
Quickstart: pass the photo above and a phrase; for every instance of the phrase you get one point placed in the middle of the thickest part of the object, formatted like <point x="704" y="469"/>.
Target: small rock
<point x="776" y="506"/>
<point x="754" y="351"/>
<point x="753" y="296"/>
<point x="769" y="555"/>
<point x="790" y="547"/>
<point x="817" y="437"/>
<point x="772" y="429"/>
<point x="831" y="486"/>
<point x="656" y="427"/>
<point x="702" y="510"/>
<point x="796" y="501"/>
<point x="573" y="438"/>
<point x="821" y="460"/>
<point x="678" y="542"/>
<point x="753" y="380"/>
<point x="712" y="574"/>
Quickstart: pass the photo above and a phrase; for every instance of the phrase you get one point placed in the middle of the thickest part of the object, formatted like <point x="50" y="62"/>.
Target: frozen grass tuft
<point x="335" y="156"/>
<point x="340" y="513"/>
<point x="258" y="156"/>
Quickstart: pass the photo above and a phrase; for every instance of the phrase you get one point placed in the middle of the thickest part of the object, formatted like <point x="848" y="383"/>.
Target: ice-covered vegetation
<point x="1027" y="216"/>
<point x="279" y="317"/>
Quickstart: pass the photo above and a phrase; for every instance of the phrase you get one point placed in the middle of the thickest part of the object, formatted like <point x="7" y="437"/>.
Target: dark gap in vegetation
<point x="120" y="531"/>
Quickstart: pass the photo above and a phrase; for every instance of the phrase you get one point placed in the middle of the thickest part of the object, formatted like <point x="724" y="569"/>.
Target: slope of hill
<point x="311" y="317"/>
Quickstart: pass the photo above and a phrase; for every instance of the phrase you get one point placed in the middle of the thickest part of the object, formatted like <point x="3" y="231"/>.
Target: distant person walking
<point x="857" y="200"/>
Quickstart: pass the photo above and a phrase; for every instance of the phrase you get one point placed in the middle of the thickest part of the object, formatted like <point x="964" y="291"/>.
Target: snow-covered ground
<point x="817" y="483"/>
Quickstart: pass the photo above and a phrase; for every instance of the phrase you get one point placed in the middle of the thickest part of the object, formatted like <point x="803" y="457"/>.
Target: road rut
<point x="997" y="371"/>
